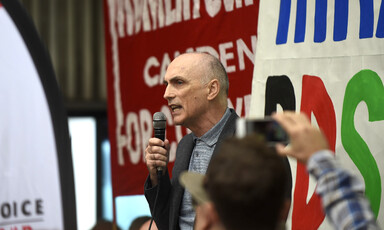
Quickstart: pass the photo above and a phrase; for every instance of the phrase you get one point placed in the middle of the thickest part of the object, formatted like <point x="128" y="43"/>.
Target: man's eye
<point x="179" y="82"/>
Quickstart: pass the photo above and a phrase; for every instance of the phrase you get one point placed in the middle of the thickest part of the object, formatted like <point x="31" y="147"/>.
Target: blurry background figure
<point x="104" y="225"/>
<point x="142" y="223"/>
<point x="145" y="226"/>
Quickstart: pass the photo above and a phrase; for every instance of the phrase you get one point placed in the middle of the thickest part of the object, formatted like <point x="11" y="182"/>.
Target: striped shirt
<point x="200" y="158"/>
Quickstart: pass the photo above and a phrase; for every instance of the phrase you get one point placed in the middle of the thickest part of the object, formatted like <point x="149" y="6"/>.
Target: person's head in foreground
<point x="243" y="188"/>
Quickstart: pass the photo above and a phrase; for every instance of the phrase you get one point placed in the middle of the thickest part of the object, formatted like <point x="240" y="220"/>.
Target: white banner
<point x="30" y="191"/>
<point x="325" y="58"/>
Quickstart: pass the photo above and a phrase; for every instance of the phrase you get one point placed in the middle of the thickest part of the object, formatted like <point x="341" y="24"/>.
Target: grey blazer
<point x="170" y="195"/>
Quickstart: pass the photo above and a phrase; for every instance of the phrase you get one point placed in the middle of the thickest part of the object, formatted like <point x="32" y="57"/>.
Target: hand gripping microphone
<point x="159" y="124"/>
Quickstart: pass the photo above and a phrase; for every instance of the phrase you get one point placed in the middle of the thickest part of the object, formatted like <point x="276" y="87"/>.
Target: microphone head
<point x="159" y="120"/>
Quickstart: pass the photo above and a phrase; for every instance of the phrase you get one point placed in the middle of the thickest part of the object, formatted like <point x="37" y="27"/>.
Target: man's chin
<point x="177" y="121"/>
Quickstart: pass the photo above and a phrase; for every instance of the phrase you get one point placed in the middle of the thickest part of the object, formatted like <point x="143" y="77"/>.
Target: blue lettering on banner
<point x="380" y="23"/>
<point x="282" y="29"/>
<point x="366" y="19"/>
<point x="320" y="21"/>
<point x="340" y="27"/>
<point x="301" y="15"/>
<point x="341" y="20"/>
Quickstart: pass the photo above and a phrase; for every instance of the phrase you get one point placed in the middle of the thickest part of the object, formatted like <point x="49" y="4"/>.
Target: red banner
<point x="142" y="38"/>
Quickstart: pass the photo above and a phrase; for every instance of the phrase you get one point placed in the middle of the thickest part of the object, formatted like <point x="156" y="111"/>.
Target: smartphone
<point x="267" y="127"/>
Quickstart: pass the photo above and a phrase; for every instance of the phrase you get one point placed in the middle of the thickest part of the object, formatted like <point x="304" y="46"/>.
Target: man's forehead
<point x="174" y="72"/>
<point x="177" y="71"/>
<point x="185" y="66"/>
<point x="187" y="60"/>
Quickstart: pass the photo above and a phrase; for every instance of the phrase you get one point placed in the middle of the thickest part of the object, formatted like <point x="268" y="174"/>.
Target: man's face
<point x="185" y="93"/>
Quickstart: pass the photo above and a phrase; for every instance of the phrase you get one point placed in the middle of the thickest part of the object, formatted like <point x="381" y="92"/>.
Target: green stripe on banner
<point x="365" y="86"/>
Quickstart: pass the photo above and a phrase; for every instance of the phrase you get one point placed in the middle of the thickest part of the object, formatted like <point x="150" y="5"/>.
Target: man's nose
<point x="168" y="94"/>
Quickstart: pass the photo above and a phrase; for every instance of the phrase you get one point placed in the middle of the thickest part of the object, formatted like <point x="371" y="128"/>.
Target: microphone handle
<point x="160" y="133"/>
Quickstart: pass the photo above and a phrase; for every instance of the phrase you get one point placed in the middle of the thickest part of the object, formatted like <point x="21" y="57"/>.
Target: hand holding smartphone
<point x="267" y="127"/>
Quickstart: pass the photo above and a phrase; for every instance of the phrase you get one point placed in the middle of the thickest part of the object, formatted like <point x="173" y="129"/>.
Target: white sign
<point x="325" y="58"/>
<point x="30" y="190"/>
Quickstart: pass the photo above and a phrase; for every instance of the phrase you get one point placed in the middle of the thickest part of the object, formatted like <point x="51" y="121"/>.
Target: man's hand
<point x="156" y="155"/>
<point x="305" y="139"/>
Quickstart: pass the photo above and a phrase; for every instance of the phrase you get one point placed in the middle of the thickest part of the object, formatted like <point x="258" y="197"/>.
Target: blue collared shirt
<point x="201" y="156"/>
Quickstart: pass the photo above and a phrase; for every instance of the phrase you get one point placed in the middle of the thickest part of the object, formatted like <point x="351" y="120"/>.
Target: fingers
<point x="156" y="154"/>
<point x="305" y="139"/>
<point x="281" y="149"/>
<point x="156" y="142"/>
<point x="291" y="121"/>
<point x="167" y="145"/>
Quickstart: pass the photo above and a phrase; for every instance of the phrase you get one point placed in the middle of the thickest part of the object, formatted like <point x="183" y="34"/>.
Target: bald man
<point x="196" y="92"/>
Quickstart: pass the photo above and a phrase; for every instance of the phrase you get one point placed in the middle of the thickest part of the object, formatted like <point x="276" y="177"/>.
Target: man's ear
<point x="214" y="217"/>
<point x="213" y="89"/>
<point x="202" y="219"/>
<point x="206" y="217"/>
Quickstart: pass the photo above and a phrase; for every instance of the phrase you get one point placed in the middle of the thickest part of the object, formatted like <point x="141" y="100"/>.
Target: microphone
<point x="159" y="124"/>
